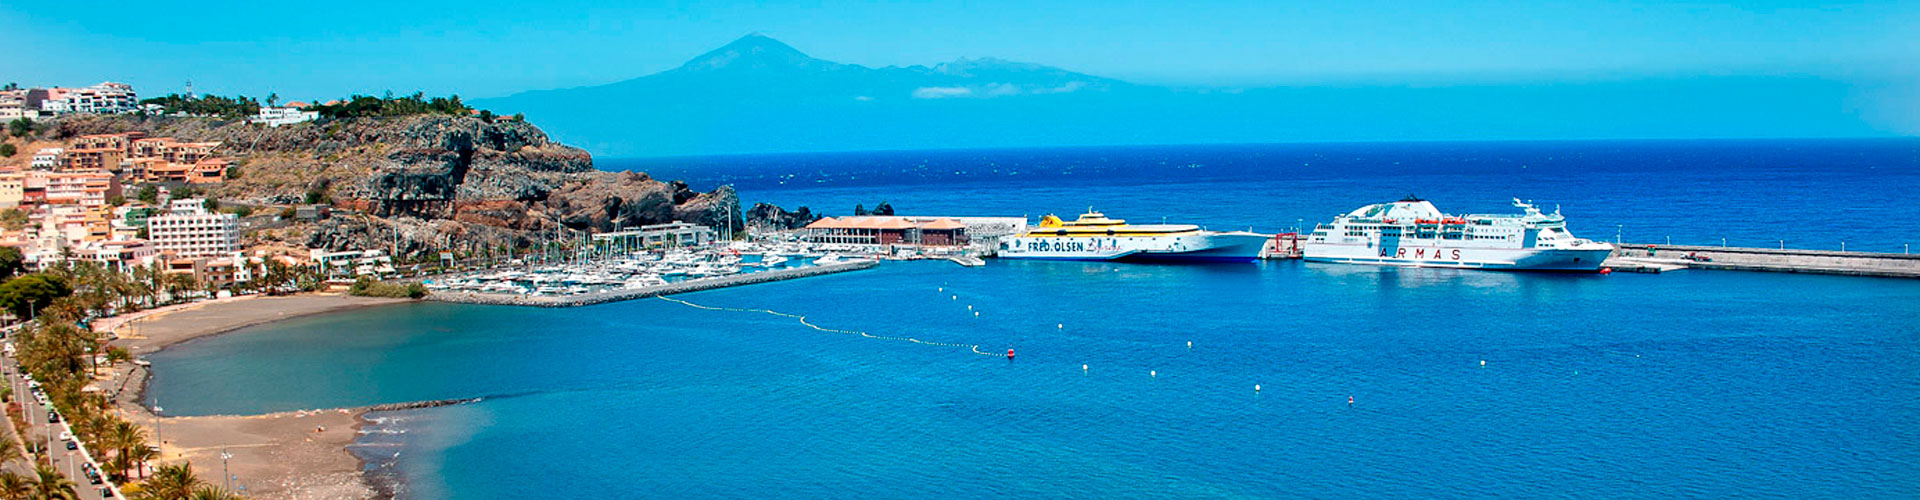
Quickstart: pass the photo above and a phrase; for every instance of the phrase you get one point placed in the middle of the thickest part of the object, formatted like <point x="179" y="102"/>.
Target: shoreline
<point x="291" y="454"/>
<point x="224" y="318"/>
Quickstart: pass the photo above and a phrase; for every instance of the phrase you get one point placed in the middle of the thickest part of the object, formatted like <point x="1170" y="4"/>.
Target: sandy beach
<point x="151" y="330"/>
<point x="298" y="454"/>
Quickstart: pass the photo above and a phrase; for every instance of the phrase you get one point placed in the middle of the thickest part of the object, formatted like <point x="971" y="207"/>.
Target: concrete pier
<point x="1636" y="256"/>
<point x="646" y="292"/>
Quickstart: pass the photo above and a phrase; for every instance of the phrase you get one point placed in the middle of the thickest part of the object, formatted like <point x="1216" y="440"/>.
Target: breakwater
<point x="1892" y="265"/>
<point x="651" y="291"/>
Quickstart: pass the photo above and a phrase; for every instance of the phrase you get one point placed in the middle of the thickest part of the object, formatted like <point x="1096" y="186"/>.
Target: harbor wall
<point x="647" y="292"/>
<point x="1778" y="260"/>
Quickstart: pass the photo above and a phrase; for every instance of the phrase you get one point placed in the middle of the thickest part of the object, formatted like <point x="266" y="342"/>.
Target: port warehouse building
<point x="910" y="230"/>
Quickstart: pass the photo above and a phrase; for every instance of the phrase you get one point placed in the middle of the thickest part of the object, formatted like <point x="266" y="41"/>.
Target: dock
<point x="1638" y="257"/>
<point x="651" y="291"/>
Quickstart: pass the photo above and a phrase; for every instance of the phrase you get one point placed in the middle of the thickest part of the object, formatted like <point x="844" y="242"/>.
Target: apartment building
<point x="47" y="158"/>
<point x="86" y="189"/>
<point x="190" y="231"/>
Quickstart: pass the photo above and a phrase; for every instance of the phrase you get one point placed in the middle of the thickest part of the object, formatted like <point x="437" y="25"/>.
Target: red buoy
<point x="1349" y="400"/>
<point x="1606" y="270"/>
<point x="1009" y="353"/>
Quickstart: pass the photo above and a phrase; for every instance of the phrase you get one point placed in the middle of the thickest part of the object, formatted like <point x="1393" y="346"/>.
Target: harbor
<point x="646" y="291"/>
<point x="1661" y="258"/>
<point x="680" y="258"/>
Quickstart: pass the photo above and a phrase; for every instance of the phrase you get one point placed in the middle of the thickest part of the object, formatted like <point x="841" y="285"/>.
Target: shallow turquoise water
<point x="1690" y="384"/>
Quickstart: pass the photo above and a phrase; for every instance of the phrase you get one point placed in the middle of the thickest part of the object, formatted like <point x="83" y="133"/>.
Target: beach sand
<point x="282" y="455"/>
<point x="148" y="331"/>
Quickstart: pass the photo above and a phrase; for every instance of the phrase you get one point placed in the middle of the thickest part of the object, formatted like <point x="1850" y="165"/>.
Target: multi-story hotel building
<point x="190" y="231"/>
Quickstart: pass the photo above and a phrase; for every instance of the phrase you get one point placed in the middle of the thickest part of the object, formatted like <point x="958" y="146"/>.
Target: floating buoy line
<point x="803" y="321"/>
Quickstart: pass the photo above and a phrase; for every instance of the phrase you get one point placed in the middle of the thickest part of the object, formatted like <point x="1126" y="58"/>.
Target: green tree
<point x="241" y="210"/>
<point x="25" y="295"/>
<point x="273" y="98"/>
<point x="211" y="492"/>
<point x="8" y="150"/>
<point x="20" y="127"/>
<point x="149" y="193"/>
<point x="170" y="482"/>
<point x="11" y="262"/>
<point x="13" y="219"/>
<point x="15" y="486"/>
<point x="49" y="484"/>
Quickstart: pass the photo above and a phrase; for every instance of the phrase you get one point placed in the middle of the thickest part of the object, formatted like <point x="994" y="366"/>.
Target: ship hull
<point x="1196" y="247"/>
<point x="1504" y="259"/>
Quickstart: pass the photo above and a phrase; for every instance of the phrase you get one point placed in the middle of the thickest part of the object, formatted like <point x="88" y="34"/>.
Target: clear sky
<point x="485" y="48"/>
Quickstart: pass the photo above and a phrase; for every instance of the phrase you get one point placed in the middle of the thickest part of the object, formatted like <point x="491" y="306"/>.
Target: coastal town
<point x="113" y="234"/>
<point x="128" y="225"/>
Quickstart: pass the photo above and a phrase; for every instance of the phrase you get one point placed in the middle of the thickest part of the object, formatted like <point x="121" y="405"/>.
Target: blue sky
<point x="482" y="48"/>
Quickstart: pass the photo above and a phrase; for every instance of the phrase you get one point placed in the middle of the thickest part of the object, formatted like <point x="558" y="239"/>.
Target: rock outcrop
<point x="767" y="216"/>
<point x="431" y="182"/>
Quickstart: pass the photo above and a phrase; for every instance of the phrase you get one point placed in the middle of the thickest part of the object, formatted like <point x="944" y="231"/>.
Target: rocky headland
<point x="426" y="182"/>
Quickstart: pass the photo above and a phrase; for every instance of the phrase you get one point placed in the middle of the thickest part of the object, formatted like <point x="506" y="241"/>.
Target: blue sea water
<point x="1812" y="194"/>
<point x="1688" y="384"/>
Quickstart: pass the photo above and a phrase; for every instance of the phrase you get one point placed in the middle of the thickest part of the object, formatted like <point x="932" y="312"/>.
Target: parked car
<point x="72" y="445"/>
<point x="53" y="418"/>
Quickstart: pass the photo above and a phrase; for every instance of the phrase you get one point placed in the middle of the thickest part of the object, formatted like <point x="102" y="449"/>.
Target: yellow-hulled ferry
<point x="1093" y="236"/>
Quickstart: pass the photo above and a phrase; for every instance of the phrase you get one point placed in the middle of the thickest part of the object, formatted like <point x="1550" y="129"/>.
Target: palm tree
<point x="50" y="485"/>
<point x="138" y="456"/>
<point x="14" y="486"/>
<point x="170" y="482"/>
<point x="210" y="492"/>
<point x="123" y="437"/>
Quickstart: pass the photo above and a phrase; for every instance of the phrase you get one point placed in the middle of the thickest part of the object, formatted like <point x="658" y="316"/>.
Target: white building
<point x="351" y="263"/>
<point x="190" y="231"/>
<point x="274" y="117"/>
<point x="105" y="98"/>
<point x="47" y="158"/>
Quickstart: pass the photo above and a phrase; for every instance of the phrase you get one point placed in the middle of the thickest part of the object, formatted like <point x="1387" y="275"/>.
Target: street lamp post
<point x="225" y="477"/>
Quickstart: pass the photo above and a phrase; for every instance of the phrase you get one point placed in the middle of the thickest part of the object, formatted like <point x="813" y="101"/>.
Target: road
<point x="68" y="462"/>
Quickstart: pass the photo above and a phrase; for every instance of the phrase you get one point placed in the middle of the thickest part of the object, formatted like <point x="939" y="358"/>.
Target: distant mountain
<point x="758" y="95"/>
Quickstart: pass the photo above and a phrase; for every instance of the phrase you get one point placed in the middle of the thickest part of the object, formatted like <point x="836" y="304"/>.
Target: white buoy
<point x="1256" y="387"/>
<point x="943" y="289"/>
<point x="1083" y="368"/>
<point x="1063" y="326"/>
<point x="1153" y="373"/>
<point x="969" y="307"/>
<point x="956" y="297"/>
<point x="1483" y="362"/>
<point x="976" y="314"/>
<point x="1189" y="344"/>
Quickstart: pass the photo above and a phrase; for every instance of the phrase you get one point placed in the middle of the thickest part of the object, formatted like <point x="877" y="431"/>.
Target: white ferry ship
<point x="1411" y="232"/>
<point x="1095" y="237"/>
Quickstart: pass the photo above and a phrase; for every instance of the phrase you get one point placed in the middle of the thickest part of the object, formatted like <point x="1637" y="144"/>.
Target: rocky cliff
<point x="429" y="181"/>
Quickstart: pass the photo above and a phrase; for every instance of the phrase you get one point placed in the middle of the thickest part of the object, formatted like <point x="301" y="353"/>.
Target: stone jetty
<point x="1889" y="265"/>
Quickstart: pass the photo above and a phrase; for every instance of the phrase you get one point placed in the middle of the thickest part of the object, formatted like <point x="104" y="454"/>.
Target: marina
<point x="680" y="258"/>
<point x="654" y="290"/>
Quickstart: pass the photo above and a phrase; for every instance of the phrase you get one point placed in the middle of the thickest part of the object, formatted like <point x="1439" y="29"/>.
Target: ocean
<point x="1138" y="380"/>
